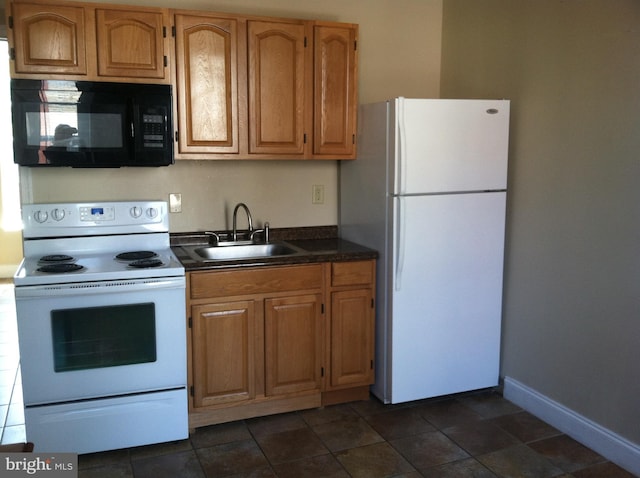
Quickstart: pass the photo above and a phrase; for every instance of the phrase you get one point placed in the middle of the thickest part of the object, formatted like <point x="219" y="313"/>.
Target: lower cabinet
<point x="350" y="334"/>
<point x="293" y="344"/>
<point x="351" y="338"/>
<point x="223" y="352"/>
<point x="268" y="340"/>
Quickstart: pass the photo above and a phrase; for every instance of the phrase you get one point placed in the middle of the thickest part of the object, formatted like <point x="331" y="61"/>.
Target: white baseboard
<point x="601" y="440"/>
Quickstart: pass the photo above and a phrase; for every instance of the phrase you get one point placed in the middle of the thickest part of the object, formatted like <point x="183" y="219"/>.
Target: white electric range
<point x="100" y="301"/>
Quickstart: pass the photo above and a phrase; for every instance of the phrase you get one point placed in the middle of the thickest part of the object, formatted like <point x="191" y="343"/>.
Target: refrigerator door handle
<point x="402" y="162"/>
<point x="400" y="243"/>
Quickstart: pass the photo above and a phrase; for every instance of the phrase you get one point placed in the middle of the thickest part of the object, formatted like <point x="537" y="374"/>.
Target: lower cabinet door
<point x="293" y="344"/>
<point x="352" y="326"/>
<point x="223" y="352"/>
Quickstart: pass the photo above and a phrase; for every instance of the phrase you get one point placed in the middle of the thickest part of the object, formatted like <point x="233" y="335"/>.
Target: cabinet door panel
<point x="207" y="61"/>
<point x="130" y="43"/>
<point x="293" y="344"/>
<point x="49" y="39"/>
<point x="335" y="90"/>
<point x="277" y="91"/>
<point x="351" y="338"/>
<point x="224" y="353"/>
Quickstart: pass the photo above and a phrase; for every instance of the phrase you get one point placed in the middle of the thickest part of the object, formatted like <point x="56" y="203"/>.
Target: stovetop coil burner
<point x="55" y="259"/>
<point x="60" y="268"/>
<point x="146" y="263"/>
<point x="136" y="255"/>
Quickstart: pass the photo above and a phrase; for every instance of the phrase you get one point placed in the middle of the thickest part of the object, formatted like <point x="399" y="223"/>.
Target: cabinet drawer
<point x="255" y="281"/>
<point x="352" y="273"/>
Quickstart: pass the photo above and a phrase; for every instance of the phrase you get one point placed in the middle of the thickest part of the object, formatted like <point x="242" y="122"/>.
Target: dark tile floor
<point x="469" y="435"/>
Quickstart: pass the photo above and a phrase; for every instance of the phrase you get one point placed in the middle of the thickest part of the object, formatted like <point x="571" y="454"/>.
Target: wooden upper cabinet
<point x="278" y="88"/>
<point x="89" y="42"/>
<point x="335" y="90"/>
<point x="264" y="88"/>
<point x="207" y="84"/>
<point x="49" y="39"/>
<point x="130" y="43"/>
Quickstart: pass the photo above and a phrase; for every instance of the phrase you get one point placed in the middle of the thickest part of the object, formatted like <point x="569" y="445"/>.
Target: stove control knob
<point x="136" y="211"/>
<point x="152" y="212"/>
<point x="57" y="214"/>
<point x="40" y="216"/>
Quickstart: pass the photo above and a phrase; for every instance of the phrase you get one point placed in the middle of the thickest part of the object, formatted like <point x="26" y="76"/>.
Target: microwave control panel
<point x="153" y="130"/>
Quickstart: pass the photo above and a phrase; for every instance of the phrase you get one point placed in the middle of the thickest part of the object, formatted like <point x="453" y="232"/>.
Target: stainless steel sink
<point x="242" y="251"/>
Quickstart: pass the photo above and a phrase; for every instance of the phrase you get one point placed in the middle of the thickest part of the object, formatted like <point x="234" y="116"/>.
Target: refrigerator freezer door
<point x="450" y="145"/>
<point x="446" y="294"/>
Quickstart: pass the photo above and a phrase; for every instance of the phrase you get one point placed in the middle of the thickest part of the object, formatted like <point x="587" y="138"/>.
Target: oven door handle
<point x="99" y="287"/>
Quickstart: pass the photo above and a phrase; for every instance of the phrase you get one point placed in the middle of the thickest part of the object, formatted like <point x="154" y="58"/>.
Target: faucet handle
<point x="264" y="231"/>
<point x="214" y="234"/>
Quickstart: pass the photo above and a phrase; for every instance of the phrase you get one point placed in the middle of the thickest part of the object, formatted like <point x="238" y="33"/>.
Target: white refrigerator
<point x="428" y="192"/>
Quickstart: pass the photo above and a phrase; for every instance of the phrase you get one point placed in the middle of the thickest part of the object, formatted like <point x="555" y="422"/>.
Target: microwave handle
<point x="135" y="117"/>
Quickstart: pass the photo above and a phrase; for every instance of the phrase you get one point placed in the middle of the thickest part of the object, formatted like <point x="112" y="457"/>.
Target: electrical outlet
<point x="317" y="194"/>
<point x="175" y="202"/>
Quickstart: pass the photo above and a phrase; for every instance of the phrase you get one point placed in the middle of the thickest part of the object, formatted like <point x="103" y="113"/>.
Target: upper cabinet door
<point x="207" y="81"/>
<point x="335" y="90"/>
<point x="279" y="98"/>
<point x="49" y="39"/>
<point x="130" y="43"/>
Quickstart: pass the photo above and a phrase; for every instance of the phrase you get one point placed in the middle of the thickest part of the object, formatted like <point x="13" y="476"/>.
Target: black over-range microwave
<point x="86" y="124"/>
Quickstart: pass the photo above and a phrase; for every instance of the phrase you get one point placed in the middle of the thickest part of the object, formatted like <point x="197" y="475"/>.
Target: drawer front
<point x="255" y="281"/>
<point x="352" y="273"/>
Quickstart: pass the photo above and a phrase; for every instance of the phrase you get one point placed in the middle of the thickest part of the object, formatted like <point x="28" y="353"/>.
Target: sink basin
<point x="245" y="251"/>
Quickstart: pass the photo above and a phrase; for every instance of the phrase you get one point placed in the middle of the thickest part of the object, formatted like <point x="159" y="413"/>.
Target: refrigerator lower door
<point x="446" y="294"/>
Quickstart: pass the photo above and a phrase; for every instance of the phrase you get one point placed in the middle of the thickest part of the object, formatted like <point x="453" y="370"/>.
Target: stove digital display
<point x="97" y="213"/>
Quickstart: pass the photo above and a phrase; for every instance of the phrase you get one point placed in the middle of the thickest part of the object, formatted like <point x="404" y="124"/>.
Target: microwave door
<point x="77" y="135"/>
<point x="101" y="133"/>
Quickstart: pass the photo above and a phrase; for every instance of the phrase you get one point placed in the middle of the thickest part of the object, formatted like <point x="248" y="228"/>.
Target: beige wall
<point x="399" y="54"/>
<point x="572" y="300"/>
<point x="10" y="240"/>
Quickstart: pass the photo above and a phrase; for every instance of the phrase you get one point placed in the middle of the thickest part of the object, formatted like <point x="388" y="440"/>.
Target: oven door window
<point x="107" y="336"/>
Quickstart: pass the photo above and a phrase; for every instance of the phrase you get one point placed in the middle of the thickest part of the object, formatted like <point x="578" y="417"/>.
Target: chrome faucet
<point x="235" y="213"/>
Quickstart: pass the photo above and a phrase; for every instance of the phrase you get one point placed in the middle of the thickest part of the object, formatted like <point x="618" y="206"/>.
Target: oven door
<point x="101" y="339"/>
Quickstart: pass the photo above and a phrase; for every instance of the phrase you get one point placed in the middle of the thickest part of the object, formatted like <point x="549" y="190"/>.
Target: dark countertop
<point x="314" y="244"/>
